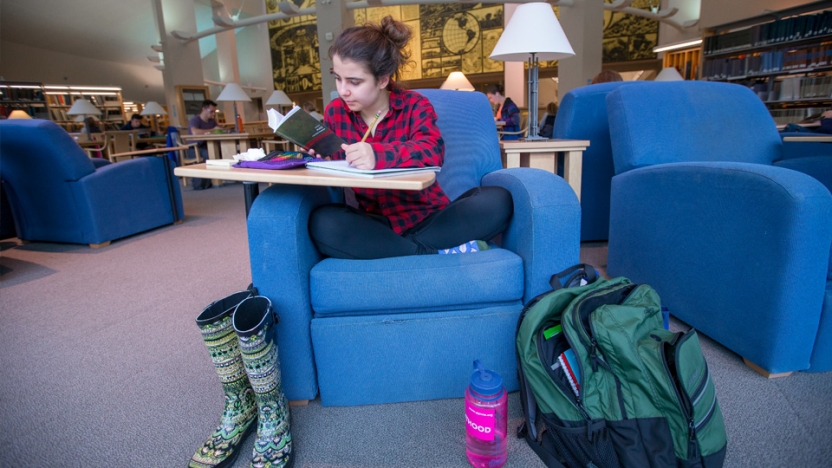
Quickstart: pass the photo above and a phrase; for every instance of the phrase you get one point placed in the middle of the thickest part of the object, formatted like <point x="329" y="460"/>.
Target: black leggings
<point x="341" y="231"/>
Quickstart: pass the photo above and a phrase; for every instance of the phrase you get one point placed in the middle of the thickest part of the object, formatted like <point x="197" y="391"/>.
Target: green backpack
<point x="609" y="384"/>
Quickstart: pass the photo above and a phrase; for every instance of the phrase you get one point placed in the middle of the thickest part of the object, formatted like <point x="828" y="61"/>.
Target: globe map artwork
<point x="461" y="33"/>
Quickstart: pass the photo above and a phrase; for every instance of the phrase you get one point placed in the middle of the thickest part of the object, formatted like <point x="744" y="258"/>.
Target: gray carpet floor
<point x="102" y="365"/>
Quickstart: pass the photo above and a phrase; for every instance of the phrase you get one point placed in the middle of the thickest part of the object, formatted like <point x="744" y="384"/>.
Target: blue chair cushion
<point x="418" y="284"/>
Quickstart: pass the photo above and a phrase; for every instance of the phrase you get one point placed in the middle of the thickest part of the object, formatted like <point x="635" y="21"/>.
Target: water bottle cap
<point x="485" y="382"/>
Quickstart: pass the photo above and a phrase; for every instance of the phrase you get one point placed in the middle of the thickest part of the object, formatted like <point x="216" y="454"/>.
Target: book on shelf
<point x="343" y="168"/>
<point x="305" y="131"/>
<point x="794" y="28"/>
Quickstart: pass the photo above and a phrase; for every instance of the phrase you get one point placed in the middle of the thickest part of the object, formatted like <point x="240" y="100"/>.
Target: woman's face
<point x="357" y="86"/>
<point x="493" y="97"/>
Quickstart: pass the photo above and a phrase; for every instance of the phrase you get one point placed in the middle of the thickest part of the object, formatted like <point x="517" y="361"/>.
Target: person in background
<point x="825" y="123"/>
<point x="308" y="106"/>
<point x="507" y="112"/>
<point x="93" y="125"/>
<point x="607" y="76"/>
<point x="547" y="123"/>
<point x="135" y="123"/>
<point x="203" y="124"/>
<point x="385" y="126"/>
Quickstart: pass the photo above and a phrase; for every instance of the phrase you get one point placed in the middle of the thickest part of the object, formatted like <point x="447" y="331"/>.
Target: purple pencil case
<point x="277" y="160"/>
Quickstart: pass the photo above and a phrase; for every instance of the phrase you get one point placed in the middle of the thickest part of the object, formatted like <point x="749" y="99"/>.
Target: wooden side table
<point x="543" y="154"/>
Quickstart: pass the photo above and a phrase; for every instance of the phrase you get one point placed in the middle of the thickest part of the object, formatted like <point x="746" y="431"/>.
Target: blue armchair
<point x="735" y="246"/>
<point x="57" y="194"/>
<point x="582" y="115"/>
<point x="408" y="328"/>
<point x="808" y="158"/>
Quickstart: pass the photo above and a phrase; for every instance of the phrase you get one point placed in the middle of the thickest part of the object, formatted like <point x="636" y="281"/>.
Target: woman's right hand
<point x="312" y="153"/>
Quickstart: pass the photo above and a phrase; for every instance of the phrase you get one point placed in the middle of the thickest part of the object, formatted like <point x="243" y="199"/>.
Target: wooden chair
<point x="271" y="145"/>
<point x="93" y="150"/>
<point x="524" y="125"/>
<point x="120" y="141"/>
<point x="184" y="156"/>
<point x="256" y="126"/>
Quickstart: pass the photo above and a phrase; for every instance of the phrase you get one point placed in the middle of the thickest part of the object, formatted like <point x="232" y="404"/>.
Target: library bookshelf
<point x="25" y="96"/>
<point x="785" y="57"/>
<point x="685" y="61"/>
<point x="106" y="98"/>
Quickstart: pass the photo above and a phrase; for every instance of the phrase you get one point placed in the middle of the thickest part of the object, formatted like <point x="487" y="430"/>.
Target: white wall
<point x="688" y="10"/>
<point x="255" y="61"/>
<point x="24" y="63"/>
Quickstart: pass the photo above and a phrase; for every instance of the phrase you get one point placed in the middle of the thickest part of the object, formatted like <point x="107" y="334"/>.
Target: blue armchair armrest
<point x="802" y="149"/>
<point x="125" y="198"/>
<point x="282" y="255"/>
<point x="545" y="229"/>
<point x="819" y="167"/>
<point x="699" y="230"/>
<point x="100" y="162"/>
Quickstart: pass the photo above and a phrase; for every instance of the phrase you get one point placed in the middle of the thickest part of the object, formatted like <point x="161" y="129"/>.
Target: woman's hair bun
<point x="397" y="32"/>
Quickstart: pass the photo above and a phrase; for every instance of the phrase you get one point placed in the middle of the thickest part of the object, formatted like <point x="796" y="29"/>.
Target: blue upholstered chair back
<point x="582" y="115"/>
<point x="689" y="121"/>
<point x="43" y="148"/>
<point x="37" y="158"/>
<point x="471" y="145"/>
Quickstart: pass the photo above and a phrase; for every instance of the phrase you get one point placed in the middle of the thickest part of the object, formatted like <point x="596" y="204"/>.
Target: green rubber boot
<point x="254" y="321"/>
<point x="240" y="413"/>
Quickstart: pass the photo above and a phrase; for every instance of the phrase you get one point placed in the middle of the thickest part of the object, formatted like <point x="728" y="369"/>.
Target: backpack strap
<point x="573" y="275"/>
<point x="528" y="430"/>
<point x="544" y="449"/>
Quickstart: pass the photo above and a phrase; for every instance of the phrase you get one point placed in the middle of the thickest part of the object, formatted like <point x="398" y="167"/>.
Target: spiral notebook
<point x="343" y="168"/>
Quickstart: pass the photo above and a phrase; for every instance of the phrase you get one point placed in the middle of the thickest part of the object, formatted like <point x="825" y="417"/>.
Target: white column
<point x="332" y="17"/>
<point x="583" y="24"/>
<point x="514" y="72"/>
<point x="183" y="63"/>
<point x="229" y="66"/>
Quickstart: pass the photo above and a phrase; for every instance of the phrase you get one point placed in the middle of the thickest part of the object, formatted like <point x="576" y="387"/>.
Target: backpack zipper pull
<point x="693" y="450"/>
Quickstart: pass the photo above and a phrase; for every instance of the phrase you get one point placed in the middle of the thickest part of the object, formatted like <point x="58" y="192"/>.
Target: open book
<point x="305" y="131"/>
<point x="343" y="168"/>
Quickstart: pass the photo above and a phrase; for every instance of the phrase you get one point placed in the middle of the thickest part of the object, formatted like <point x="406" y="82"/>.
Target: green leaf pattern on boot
<point x="240" y="410"/>
<point x="273" y="447"/>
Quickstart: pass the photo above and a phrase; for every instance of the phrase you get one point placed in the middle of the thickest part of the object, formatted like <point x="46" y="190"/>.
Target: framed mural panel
<point x="296" y="64"/>
<point x="446" y="37"/>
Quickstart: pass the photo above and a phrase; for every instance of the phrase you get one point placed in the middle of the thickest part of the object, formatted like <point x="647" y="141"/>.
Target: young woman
<point x="507" y="112"/>
<point x="391" y="223"/>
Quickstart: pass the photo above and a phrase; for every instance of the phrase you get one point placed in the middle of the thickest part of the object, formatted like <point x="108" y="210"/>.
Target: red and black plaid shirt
<point x="407" y="137"/>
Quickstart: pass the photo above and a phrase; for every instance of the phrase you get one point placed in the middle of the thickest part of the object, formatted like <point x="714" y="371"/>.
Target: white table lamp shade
<point x="533" y="28"/>
<point x="233" y="92"/>
<point x="153" y="108"/>
<point x="457" y="81"/>
<point x="19" y="114"/>
<point x="669" y="74"/>
<point x="83" y="107"/>
<point x="279" y="98"/>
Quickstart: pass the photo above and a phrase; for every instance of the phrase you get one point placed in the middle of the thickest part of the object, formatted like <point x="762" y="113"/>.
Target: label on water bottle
<point x="479" y="422"/>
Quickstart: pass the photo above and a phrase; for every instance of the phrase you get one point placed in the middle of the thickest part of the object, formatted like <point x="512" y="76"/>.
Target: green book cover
<point x="305" y="131"/>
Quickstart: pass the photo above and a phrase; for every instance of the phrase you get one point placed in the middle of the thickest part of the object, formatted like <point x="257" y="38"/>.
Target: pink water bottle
<point x="486" y="419"/>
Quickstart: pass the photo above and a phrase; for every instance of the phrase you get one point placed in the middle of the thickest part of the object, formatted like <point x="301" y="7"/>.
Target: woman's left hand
<point x="360" y="155"/>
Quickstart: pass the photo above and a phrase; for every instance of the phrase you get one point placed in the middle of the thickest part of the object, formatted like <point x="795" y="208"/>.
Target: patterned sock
<point x="468" y="247"/>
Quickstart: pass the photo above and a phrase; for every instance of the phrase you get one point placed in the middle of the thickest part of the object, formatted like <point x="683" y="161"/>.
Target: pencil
<point x="367" y="133"/>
